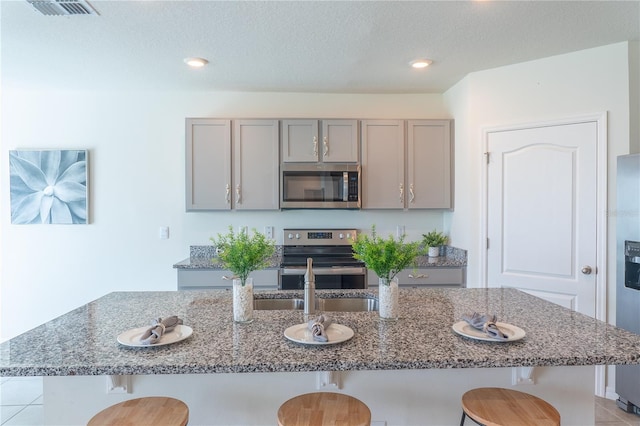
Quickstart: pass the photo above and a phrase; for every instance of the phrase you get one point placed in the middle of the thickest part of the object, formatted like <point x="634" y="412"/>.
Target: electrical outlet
<point x="268" y="232"/>
<point x="399" y="231"/>
<point x="243" y="230"/>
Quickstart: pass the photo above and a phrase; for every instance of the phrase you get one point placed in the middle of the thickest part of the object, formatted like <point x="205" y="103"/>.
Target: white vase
<point x="434" y="251"/>
<point x="243" y="301"/>
<point x="388" y="306"/>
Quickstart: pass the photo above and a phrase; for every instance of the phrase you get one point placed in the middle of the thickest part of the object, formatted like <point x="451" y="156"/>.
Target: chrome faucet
<point x="309" y="289"/>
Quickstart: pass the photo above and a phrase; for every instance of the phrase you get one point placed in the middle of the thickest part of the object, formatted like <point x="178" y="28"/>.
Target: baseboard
<point x="610" y="393"/>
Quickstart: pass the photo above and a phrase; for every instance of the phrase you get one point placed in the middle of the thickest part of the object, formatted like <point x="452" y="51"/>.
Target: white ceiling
<point x="301" y="46"/>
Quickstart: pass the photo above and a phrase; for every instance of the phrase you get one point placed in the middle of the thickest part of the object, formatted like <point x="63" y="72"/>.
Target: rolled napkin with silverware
<point x="318" y="327"/>
<point x="158" y="328"/>
<point x="487" y="324"/>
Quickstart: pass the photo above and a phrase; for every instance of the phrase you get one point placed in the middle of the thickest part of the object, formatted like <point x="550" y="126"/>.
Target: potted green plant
<point x="242" y="254"/>
<point x="433" y="241"/>
<point x="386" y="257"/>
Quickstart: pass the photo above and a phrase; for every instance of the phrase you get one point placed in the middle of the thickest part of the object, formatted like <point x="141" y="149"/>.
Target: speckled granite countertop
<point x="83" y="341"/>
<point x="203" y="257"/>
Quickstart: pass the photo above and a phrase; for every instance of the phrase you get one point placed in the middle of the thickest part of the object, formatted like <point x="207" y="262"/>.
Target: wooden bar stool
<point x="324" y="409"/>
<point x="505" y="407"/>
<point x="151" y="410"/>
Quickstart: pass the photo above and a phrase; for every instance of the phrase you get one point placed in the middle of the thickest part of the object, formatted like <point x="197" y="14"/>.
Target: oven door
<point x="325" y="278"/>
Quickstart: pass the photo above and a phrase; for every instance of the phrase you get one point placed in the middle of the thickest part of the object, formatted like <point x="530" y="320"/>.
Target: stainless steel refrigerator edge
<point x="628" y="289"/>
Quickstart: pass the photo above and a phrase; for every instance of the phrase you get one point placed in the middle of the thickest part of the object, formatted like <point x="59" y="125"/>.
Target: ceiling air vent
<point x="63" y="7"/>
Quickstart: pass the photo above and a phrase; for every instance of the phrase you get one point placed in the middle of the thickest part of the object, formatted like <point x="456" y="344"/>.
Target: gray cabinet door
<point x="208" y="164"/>
<point x="300" y="142"/>
<point x="383" y="159"/>
<point x="201" y="279"/>
<point x="340" y="141"/>
<point x="429" y="164"/>
<point x="425" y="277"/>
<point x="255" y="167"/>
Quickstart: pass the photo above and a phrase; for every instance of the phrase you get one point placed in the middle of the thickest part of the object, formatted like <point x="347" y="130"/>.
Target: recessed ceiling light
<point x="421" y="63"/>
<point x="196" y="62"/>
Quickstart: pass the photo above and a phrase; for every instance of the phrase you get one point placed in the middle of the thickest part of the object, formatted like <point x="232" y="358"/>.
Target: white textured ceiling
<point x="302" y="46"/>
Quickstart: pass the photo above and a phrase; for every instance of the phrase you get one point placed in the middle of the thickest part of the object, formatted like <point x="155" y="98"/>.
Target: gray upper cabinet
<point x="429" y="164"/>
<point x="414" y="173"/>
<point x="255" y="165"/>
<point x="383" y="160"/>
<point x="300" y="141"/>
<point x="340" y="141"/>
<point x="208" y="164"/>
<point x="311" y="141"/>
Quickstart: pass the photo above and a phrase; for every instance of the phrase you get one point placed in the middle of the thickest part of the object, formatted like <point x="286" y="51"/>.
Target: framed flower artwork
<point x="48" y="186"/>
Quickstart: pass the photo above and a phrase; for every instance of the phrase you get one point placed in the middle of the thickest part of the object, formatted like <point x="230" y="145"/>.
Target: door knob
<point x="586" y="270"/>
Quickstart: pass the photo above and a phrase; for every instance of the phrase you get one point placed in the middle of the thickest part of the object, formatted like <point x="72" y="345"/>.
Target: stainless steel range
<point x="334" y="266"/>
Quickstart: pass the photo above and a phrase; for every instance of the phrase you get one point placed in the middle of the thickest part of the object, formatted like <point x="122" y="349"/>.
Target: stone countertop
<point x="83" y="341"/>
<point x="203" y="257"/>
<point x="212" y="263"/>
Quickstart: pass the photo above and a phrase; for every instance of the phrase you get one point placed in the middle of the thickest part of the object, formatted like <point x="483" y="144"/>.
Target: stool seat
<point x="506" y="407"/>
<point x="152" y="410"/>
<point x="324" y="409"/>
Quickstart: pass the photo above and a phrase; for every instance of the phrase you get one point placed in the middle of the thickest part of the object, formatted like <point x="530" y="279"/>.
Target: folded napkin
<point x="158" y="328"/>
<point x="485" y="323"/>
<point x="318" y="327"/>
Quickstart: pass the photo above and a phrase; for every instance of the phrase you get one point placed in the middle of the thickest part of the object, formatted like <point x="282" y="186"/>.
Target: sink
<point x="349" y="304"/>
<point x="346" y="304"/>
<point x="278" y="304"/>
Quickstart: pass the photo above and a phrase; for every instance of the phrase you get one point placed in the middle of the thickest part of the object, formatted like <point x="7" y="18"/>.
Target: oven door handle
<point x="324" y="271"/>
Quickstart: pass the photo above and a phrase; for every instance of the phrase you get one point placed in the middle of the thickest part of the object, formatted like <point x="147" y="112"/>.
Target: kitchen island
<point x="410" y="372"/>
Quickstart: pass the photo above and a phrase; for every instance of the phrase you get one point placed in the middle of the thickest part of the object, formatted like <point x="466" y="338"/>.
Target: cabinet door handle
<point x="227" y="196"/>
<point x="418" y="276"/>
<point x="315" y="146"/>
<point x="238" y="194"/>
<point x="412" y="196"/>
<point x="401" y="193"/>
<point x="325" y="147"/>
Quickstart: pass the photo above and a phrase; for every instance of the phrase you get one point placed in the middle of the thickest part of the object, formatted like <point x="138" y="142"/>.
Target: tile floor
<point x="21" y="405"/>
<point x="21" y="401"/>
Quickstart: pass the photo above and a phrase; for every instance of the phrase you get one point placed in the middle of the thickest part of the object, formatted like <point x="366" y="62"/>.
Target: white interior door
<point x="542" y="212"/>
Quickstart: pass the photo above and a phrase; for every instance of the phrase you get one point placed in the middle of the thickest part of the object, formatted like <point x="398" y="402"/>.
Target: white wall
<point x="585" y="82"/>
<point x="136" y="144"/>
<point x="136" y="164"/>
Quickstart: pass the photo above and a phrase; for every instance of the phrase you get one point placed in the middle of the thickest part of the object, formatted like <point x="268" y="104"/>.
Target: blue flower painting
<point x="48" y="186"/>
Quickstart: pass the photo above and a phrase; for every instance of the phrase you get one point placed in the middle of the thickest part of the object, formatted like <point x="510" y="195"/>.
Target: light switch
<point x="399" y="231"/>
<point x="164" y="233"/>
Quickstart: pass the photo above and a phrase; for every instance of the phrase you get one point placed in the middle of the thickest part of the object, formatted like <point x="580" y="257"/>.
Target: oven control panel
<point x="319" y="237"/>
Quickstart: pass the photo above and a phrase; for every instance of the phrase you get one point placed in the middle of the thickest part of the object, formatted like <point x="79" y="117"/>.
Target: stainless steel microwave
<point x="320" y="186"/>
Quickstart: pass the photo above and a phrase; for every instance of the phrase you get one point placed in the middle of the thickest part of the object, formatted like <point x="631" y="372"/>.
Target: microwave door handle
<point x="345" y="186"/>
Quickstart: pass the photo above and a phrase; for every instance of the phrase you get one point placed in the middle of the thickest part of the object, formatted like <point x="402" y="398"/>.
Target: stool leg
<point x="464" y="415"/>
